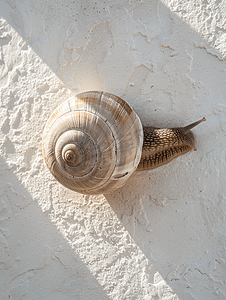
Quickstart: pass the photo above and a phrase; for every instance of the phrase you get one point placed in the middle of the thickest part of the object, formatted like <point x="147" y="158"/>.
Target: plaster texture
<point x="161" y="236"/>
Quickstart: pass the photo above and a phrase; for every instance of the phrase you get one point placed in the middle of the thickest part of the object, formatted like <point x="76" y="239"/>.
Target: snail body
<point x="94" y="142"/>
<point x="161" y="146"/>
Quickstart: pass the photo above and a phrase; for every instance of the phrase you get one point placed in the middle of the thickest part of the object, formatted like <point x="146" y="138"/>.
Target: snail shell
<point x="92" y="143"/>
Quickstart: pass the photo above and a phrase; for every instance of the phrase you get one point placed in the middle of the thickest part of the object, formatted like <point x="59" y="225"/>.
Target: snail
<point x="94" y="142"/>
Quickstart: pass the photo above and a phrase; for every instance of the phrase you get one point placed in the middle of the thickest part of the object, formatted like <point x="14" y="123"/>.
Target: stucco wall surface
<point x="161" y="236"/>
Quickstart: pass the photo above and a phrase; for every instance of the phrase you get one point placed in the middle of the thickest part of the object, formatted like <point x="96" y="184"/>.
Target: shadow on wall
<point x="44" y="263"/>
<point x="35" y="258"/>
<point x="157" y="209"/>
<point x="152" y="52"/>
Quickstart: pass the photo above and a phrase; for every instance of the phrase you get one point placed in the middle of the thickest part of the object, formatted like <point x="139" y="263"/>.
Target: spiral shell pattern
<point x="92" y="143"/>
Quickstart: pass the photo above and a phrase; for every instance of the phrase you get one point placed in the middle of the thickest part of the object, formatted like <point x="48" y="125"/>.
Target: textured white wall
<point x="163" y="235"/>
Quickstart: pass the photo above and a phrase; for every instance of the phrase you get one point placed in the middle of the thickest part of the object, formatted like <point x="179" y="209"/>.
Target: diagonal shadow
<point x="49" y="268"/>
<point x="36" y="260"/>
<point x="138" y="205"/>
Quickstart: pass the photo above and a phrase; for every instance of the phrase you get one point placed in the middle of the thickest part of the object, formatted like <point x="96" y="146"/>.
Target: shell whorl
<point x="92" y="143"/>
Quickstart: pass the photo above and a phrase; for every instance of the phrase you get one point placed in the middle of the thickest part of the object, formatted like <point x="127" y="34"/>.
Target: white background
<point x="161" y="236"/>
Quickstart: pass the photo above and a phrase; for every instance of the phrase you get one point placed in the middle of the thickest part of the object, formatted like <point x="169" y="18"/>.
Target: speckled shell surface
<point x="92" y="143"/>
